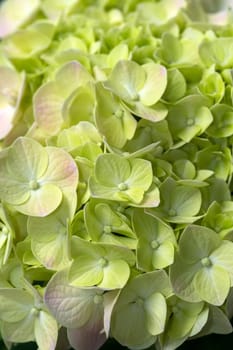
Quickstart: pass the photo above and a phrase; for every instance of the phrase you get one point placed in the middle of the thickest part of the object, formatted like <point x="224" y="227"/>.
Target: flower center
<point x="126" y="154"/>
<point x="107" y="229"/>
<point x="120" y="209"/>
<point x="135" y="96"/>
<point x="123" y="186"/>
<point x="190" y="122"/>
<point x="175" y="309"/>
<point x="119" y="113"/>
<point x="172" y="212"/>
<point x="98" y="299"/>
<point x="206" y="262"/>
<point x="154" y="244"/>
<point x="34" y="185"/>
<point x="139" y="301"/>
<point x="103" y="262"/>
<point x="35" y="311"/>
<point x="5" y="230"/>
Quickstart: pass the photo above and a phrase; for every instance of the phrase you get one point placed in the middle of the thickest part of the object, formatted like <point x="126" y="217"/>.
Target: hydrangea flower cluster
<point x="116" y="139"/>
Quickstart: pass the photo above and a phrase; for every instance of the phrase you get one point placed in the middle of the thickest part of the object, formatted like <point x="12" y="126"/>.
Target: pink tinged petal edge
<point x="6" y="118"/>
<point x="62" y="169"/>
<point x="89" y="337"/>
<point x="48" y="106"/>
<point x="9" y="24"/>
<point x="11" y="91"/>
<point x="156" y="74"/>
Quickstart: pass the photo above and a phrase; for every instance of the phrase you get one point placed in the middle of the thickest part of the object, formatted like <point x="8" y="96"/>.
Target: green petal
<point x="71" y="306"/>
<point x="58" y="248"/>
<point x="190" y="309"/>
<point x="115" y="275"/>
<point x="12" y="191"/>
<point x="217" y="322"/>
<point x="25" y="43"/>
<point x="100" y="191"/>
<point x="198" y="242"/>
<point x="111" y="169"/>
<point x="180" y="325"/>
<point x="27" y="160"/>
<point x="216" y="159"/>
<point x="212" y="85"/>
<point x="223" y="257"/>
<point x="45" y="230"/>
<point x="42" y="201"/>
<point x="46" y="331"/>
<point x="184" y="169"/>
<point x="15" y="304"/>
<point x="62" y="170"/>
<point x="130" y="318"/>
<point x="180" y="200"/>
<point x="212" y="284"/>
<point x="122" y="241"/>
<point x="150" y="199"/>
<point x="81" y="107"/>
<point x="104" y="225"/>
<point x="110" y="300"/>
<point x="176" y="86"/>
<point x="144" y="254"/>
<point x="141" y="175"/>
<point x="19" y="332"/>
<point x="155" y="248"/>
<point x="159" y="13"/>
<point x="156" y="281"/>
<point x="106" y="216"/>
<point x="217" y="52"/>
<point x="201" y="321"/>
<point x="128" y="326"/>
<point x="54" y="9"/>
<point x="185" y="123"/>
<point x="186" y="201"/>
<point x="222" y="123"/>
<point x="184" y="317"/>
<point x="109" y="115"/>
<point x="182" y="276"/>
<point x="156" y="312"/>
<point x="86" y="271"/>
<point x="119" y="52"/>
<point x="126" y="79"/>
<point x="112" y="252"/>
<point x="171" y="48"/>
<point x="149" y="226"/>
<point x="78" y="135"/>
<point x="217" y="190"/>
<point x="163" y="256"/>
<point x="134" y="195"/>
<point x="155" y="84"/>
<point x="71" y="76"/>
<point x="49" y="100"/>
<point x="154" y="113"/>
